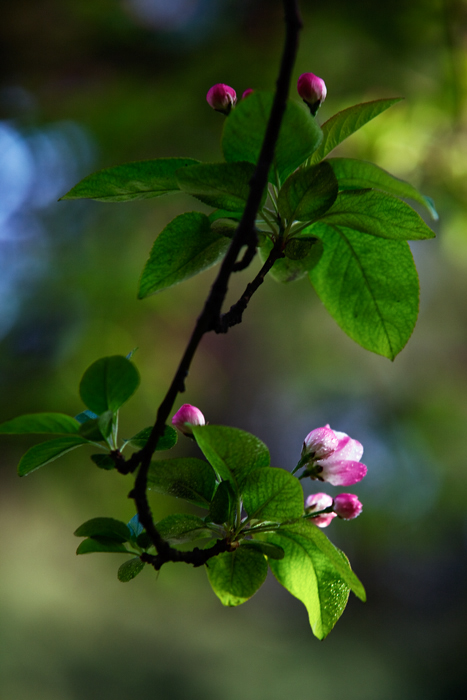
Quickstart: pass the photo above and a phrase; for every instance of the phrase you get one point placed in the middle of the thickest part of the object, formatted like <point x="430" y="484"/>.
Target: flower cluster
<point x="311" y="89"/>
<point x="327" y="455"/>
<point x="332" y="456"/>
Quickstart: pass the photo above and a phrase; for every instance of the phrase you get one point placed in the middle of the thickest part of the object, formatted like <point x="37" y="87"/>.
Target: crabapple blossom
<point x="332" y="456"/>
<point x="320" y="443"/>
<point x="347" y="506"/>
<point x="187" y="416"/>
<point x="317" y="502"/>
<point x="312" y="90"/>
<point x="247" y="92"/>
<point x="221" y="98"/>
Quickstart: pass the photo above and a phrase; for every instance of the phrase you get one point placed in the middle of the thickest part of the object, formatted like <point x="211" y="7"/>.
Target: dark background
<point x="87" y="84"/>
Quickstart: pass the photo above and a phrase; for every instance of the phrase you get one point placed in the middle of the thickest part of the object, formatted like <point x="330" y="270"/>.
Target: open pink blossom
<point x="317" y="502"/>
<point x="221" y="98"/>
<point x="333" y="456"/>
<point x="186" y="417"/>
<point x="347" y="506"/>
<point x="312" y="90"/>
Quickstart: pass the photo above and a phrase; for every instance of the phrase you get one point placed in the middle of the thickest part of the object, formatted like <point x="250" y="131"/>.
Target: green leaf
<point x="166" y="442"/>
<point x="222" y="504"/>
<point x="185" y="247"/>
<point x="369" y="285"/>
<point x="354" y="174"/>
<point x="272" y="551"/>
<point x="103" y="461"/>
<point x="245" y="128"/>
<point x="272" y="494"/>
<point x="345" y="123"/>
<point x="299" y="248"/>
<point x="98" y="429"/>
<point x="233" y="453"/>
<point x="129" y="569"/>
<point x="221" y="185"/>
<point x="144" y="541"/>
<point x="223" y="214"/>
<point x="236" y="576"/>
<point x="101" y="544"/>
<point x="184" y="477"/>
<point x="46" y="452"/>
<point x="181" y="527"/>
<point x="104" y="527"/>
<point x="108" y="383"/>
<point x="320" y="580"/>
<point x="55" y="423"/>
<point x="225" y="227"/>
<point x="139" y="180"/>
<point x="287" y="269"/>
<point x="378" y="214"/>
<point x="308" y="193"/>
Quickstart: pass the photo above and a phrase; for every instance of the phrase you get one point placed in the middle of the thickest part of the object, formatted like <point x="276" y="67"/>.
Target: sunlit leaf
<point x="272" y="494"/>
<point x="347" y="122"/>
<point x="369" y="285"/>
<point x="378" y="214"/>
<point x="236" y="576"/>
<point x="185" y="247"/>
<point x="320" y="580"/>
<point x="233" y="453"/>
<point x="272" y="551"/>
<point x="355" y="174"/>
<point x="139" y="180"/>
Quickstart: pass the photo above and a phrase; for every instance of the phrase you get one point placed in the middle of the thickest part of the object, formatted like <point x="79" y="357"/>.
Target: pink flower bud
<point x="333" y="456"/>
<point x="317" y="502"/>
<point x="247" y="92"/>
<point x="221" y="98"/>
<point x="312" y="90"/>
<point x="320" y="443"/>
<point x="347" y="506"/>
<point x="187" y="416"/>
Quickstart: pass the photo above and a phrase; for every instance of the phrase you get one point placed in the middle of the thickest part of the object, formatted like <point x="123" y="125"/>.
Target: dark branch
<point x="248" y="255"/>
<point x="234" y="315"/>
<point x="210" y="317"/>
<point x="196" y="556"/>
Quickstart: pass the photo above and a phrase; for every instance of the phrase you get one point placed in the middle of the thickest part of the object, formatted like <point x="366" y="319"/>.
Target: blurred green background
<point x="87" y="84"/>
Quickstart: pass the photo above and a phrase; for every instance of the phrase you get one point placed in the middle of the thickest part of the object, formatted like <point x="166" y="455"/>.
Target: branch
<point x="210" y="317"/>
<point x="234" y="315"/>
<point x="196" y="556"/>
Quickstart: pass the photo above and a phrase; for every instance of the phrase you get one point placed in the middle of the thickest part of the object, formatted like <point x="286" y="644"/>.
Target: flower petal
<point x="341" y="473"/>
